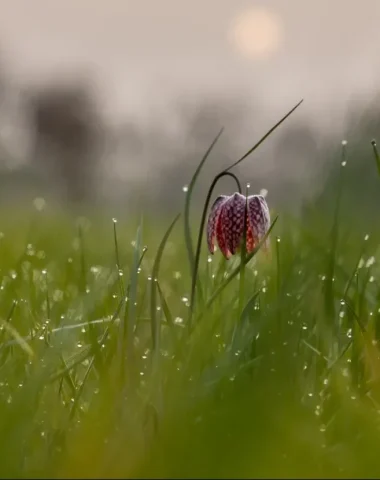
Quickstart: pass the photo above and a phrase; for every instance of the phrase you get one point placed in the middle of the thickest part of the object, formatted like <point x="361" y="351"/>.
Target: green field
<point x="108" y="369"/>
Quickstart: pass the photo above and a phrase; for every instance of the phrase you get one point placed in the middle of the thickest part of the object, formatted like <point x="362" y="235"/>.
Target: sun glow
<point x="256" y="33"/>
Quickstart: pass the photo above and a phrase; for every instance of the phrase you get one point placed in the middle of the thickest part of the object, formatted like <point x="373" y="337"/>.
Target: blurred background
<point x="114" y="103"/>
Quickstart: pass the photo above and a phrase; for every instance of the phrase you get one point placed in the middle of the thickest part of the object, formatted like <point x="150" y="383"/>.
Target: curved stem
<point x="201" y="228"/>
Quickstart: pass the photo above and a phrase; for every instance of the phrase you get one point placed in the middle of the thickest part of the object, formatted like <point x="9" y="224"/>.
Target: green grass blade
<point x="376" y="154"/>
<point x="262" y="139"/>
<point x="132" y="299"/>
<point x="188" y="240"/>
<point x="165" y="307"/>
<point x="249" y="306"/>
<point x="153" y="297"/>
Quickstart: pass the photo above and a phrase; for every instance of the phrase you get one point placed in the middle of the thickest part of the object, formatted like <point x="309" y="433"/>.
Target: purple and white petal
<point x="212" y="221"/>
<point x="234" y="209"/>
<point x="259" y="217"/>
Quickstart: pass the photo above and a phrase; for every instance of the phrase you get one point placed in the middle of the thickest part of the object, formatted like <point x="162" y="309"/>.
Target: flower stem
<point x="199" y="243"/>
<point x="243" y="257"/>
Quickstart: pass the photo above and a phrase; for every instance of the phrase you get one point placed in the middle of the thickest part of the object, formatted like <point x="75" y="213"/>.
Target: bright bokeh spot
<point x="256" y="33"/>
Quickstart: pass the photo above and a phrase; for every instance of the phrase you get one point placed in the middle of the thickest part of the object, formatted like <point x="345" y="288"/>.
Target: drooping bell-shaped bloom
<point x="226" y="222"/>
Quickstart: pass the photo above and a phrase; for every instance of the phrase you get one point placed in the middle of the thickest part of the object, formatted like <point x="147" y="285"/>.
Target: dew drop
<point x="370" y="262"/>
<point x="185" y="188"/>
<point x="39" y="204"/>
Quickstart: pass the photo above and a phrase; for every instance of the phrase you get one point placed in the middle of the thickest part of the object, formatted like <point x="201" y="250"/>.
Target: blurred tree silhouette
<point x="68" y="133"/>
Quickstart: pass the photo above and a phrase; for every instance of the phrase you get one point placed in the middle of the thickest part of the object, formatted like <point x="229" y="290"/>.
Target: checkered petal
<point x="213" y="218"/>
<point x="258" y="219"/>
<point x="233" y="221"/>
<point x="221" y="232"/>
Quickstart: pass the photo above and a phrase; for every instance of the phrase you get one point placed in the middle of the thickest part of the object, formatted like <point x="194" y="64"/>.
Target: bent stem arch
<point x="200" y="233"/>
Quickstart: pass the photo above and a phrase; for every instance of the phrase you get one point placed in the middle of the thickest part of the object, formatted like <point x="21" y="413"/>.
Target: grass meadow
<point x="124" y="353"/>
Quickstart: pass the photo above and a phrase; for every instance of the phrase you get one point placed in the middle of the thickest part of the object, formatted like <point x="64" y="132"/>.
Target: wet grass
<point x="102" y="374"/>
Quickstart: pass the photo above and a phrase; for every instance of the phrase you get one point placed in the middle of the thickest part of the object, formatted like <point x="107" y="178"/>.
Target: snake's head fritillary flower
<point x="226" y="223"/>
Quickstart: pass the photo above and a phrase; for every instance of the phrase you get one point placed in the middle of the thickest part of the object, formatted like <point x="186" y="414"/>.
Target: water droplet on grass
<point x="370" y="262"/>
<point x="39" y="204"/>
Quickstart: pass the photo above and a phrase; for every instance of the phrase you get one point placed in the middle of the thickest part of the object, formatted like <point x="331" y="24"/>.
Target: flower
<point x="226" y="222"/>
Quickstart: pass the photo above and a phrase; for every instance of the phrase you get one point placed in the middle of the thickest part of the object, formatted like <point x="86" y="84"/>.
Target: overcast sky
<point x="143" y="53"/>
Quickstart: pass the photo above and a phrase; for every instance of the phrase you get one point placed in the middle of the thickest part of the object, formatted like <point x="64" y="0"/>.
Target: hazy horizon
<point x="143" y="55"/>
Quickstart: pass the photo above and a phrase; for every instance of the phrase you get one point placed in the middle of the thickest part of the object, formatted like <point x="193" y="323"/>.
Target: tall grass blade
<point x="262" y="139"/>
<point x="376" y="154"/>
<point x="188" y="240"/>
<point x="153" y="292"/>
